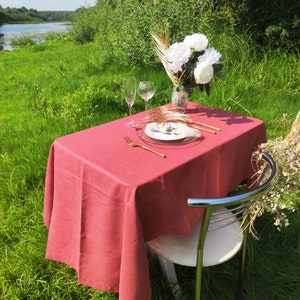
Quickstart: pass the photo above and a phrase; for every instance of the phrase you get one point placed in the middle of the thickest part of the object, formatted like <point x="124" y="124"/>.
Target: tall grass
<point x="56" y="88"/>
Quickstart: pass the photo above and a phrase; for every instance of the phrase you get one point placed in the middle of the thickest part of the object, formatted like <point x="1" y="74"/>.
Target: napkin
<point x="163" y="114"/>
<point x="173" y="128"/>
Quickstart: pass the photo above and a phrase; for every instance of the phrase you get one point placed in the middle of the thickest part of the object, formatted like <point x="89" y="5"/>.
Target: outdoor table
<point x="105" y="199"/>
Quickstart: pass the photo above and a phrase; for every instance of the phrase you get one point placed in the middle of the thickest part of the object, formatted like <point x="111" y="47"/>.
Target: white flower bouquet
<point x="190" y="63"/>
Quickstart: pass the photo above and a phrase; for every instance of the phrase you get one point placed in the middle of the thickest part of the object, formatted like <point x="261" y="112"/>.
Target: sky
<point x="48" y="4"/>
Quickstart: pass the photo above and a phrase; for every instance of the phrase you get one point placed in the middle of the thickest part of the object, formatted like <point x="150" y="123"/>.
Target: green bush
<point x="88" y="101"/>
<point x="86" y="25"/>
<point x="126" y="25"/>
<point x="271" y="22"/>
<point x="122" y="27"/>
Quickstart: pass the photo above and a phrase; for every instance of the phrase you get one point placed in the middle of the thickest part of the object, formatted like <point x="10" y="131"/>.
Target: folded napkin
<point x="173" y="128"/>
<point x="163" y="114"/>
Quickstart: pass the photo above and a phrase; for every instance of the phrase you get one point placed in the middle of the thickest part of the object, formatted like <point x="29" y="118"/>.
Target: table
<point x="105" y="199"/>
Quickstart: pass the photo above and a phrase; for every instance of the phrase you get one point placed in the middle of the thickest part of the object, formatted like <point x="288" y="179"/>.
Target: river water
<point x="10" y="32"/>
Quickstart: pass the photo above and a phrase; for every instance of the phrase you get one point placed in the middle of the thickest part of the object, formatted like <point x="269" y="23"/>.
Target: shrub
<point x="270" y="22"/>
<point x="126" y="25"/>
<point x="122" y="27"/>
<point x="86" y="25"/>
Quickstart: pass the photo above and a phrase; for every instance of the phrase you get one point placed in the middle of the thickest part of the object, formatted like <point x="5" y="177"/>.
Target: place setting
<point x="164" y="126"/>
<point x="169" y="133"/>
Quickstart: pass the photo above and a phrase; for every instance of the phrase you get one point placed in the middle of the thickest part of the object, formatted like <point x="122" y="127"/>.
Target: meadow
<point x="56" y="88"/>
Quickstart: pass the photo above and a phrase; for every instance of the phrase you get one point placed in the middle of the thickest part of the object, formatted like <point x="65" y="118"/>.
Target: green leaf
<point x="184" y="88"/>
<point x="207" y="89"/>
<point x="180" y="88"/>
<point x="195" y="56"/>
<point x="217" y="67"/>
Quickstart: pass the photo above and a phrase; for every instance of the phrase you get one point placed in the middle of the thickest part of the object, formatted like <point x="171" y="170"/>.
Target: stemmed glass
<point x="129" y="87"/>
<point x="146" y="90"/>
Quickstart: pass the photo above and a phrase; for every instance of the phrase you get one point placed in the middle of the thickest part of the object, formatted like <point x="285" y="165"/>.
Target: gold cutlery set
<point x="162" y="115"/>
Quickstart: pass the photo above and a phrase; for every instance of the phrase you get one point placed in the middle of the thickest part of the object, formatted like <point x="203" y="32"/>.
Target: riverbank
<point x="13" y="15"/>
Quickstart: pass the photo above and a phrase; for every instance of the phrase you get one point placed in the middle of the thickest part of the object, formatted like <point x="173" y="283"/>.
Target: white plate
<point x="169" y="131"/>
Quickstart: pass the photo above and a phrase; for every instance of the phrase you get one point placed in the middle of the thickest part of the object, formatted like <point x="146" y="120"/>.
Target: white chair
<point x="216" y="237"/>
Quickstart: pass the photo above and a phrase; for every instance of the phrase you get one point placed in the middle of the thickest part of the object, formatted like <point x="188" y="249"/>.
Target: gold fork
<point x="133" y="144"/>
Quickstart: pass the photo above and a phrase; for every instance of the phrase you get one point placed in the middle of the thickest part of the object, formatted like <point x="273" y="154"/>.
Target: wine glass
<point x="129" y="87"/>
<point x="146" y="90"/>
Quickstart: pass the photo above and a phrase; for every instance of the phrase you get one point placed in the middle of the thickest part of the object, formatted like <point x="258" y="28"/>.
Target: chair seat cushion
<point x="220" y="245"/>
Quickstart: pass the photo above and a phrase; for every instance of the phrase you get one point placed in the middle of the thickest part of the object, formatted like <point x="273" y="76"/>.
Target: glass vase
<point x="179" y="100"/>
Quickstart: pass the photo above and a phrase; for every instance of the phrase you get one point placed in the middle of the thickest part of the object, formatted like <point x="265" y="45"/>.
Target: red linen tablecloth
<point x="105" y="199"/>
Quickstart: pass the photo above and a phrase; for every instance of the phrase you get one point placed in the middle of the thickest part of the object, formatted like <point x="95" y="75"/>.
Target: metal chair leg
<point x="168" y="269"/>
<point x="199" y="274"/>
<point x="239" y="295"/>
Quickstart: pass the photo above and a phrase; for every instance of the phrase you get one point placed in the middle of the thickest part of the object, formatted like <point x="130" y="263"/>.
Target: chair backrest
<point x="215" y="217"/>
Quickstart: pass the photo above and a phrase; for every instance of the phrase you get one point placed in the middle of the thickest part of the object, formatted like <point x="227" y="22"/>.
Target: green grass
<point x="22" y="42"/>
<point x="52" y="89"/>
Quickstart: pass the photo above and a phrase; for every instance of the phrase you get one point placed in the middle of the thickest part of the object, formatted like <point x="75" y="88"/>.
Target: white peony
<point x="196" y="41"/>
<point x="203" y="73"/>
<point x="177" y="55"/>
<point x="211" y="55"/>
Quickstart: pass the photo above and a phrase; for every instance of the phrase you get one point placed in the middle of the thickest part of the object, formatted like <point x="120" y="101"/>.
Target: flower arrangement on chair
<point x="285" y="194"/>
<point x="189" y="63"/>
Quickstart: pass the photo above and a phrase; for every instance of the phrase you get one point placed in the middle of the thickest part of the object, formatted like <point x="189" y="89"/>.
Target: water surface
<point x="10" y="32"/>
